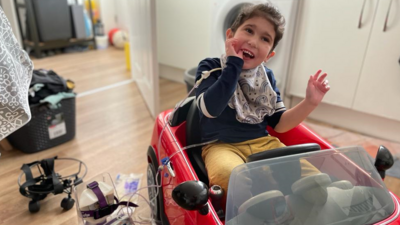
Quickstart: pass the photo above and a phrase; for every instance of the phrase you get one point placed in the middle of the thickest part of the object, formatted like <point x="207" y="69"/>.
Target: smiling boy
<point x="238" y="102"/>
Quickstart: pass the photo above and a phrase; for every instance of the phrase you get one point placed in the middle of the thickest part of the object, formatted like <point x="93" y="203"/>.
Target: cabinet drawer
<point x="378" y="90"/>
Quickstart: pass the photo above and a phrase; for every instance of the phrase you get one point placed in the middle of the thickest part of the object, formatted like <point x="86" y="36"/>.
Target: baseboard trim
<point x="360" y="122"/>
<point x="97" y="90"/>
<point x="171" y="73"/>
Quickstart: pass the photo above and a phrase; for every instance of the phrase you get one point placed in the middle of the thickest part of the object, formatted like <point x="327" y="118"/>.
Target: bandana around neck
<point x="254" y="97"/>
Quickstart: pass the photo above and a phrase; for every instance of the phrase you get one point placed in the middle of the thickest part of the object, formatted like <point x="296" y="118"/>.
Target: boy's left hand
<point x="317" y="88"/>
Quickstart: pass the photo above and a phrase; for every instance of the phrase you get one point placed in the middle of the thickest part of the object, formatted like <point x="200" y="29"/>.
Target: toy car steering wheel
<point x="284" y="151"/>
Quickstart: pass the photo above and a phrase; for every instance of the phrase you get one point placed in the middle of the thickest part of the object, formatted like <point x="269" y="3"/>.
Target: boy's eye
<point x="250" y="31"/>
<point x="265" y="39"/>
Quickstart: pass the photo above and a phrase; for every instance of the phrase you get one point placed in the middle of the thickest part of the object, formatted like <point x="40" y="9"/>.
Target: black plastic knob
<point x="191" y="195"/>
<point x="384" y="160"/>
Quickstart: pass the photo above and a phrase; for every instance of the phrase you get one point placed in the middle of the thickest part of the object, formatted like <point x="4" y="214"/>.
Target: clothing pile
<point x="52" y="105"/>
<point x="48" y="87"/>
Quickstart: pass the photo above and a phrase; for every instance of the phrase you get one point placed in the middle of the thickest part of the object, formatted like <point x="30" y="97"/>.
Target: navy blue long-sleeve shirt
<point x="217" y="119"/>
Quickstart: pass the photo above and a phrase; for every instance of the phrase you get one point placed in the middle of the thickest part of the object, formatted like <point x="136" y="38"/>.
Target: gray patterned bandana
<point x="15" y="77"/>
<point x="254" y="97"/>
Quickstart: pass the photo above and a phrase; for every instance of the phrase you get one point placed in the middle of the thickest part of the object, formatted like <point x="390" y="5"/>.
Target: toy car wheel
<point x="67" y="203"/>
<point x="34" y="206"/>
<point x="151" y="181"/>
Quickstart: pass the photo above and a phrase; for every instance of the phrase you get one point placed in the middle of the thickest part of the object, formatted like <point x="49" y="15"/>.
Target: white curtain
<point x="15" y="77"/>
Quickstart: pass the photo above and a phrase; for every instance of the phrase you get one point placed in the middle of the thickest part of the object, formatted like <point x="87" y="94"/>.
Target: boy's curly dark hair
<point x="266" y="11"/>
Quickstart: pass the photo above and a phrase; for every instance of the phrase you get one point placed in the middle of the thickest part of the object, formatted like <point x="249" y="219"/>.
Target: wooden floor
<point x="113" y="132"/>
<point x="89" y="70"/>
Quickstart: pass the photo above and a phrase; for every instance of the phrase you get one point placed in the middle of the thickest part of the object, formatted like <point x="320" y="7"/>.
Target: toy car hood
<point x="348" y="190"/>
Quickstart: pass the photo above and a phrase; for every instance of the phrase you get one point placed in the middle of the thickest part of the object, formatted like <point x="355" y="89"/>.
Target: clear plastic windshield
<point x="343" y="187"/>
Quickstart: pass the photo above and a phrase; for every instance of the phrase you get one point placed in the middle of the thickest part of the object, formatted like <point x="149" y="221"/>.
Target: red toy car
<point x="349" y="189"/>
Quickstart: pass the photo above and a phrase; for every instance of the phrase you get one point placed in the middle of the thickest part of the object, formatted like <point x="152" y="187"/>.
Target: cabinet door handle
<point x="387" y="16"/>
<point x="361" y="15"/>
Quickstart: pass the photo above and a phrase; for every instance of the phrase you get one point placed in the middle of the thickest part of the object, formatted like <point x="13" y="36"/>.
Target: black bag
<point x="53" y="84"/>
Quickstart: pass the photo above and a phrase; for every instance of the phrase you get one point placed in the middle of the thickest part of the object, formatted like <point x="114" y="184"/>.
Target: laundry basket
<point x="190" y="76"/>
<point x="47" y="128"/>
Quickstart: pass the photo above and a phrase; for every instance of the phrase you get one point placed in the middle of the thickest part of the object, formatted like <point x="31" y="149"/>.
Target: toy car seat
<point x="188" y="111"/>
<point x="193" y="136"/>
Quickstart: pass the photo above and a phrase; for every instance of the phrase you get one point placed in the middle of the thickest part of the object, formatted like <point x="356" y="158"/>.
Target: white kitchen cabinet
<point x="329" y="37"/>
<point x="378" y="89"/>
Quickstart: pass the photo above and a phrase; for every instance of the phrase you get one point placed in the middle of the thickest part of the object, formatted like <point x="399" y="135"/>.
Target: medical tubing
<point x="140" y="195"/>
<point x="197" y="145"/>
<point x="148" y="203"/>
<point x="156" y="186"/>
<point x="137" y="191"/>
<point x="160" y="169"/>
<point x="148" y="219"/>
<point x="204" y="75"/>
<point x="133" y="193"/>
<point x="166" y="123"/>
<point x="129" y="210"/>
<point x="187" y="147"/>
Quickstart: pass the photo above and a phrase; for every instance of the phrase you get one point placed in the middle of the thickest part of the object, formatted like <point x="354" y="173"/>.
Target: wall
<point x="121" y="13"/>
<point x="114" y="14"/>
<point x="183" y="32"/>
<point x="107" y="14"/>
<point x="9" y="10"/>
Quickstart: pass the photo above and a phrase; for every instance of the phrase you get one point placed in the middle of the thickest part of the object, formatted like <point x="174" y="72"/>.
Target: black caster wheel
<point x="67" y="203"/>
<point x="34" y="206"/>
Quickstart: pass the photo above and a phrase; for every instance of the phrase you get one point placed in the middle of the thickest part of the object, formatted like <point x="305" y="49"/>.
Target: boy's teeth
<point x="247" y="52"/>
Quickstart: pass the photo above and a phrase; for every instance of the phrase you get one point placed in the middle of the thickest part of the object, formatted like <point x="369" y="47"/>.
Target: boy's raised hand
<point x="231" y="45"/>
<point x="317" y="88"/>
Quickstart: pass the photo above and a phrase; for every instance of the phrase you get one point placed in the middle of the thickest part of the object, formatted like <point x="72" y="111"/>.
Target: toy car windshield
<point x="344" y="189"/>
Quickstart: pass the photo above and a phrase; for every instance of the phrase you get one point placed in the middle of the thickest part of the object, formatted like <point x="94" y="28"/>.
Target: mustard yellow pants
<point x="221" y="158"/>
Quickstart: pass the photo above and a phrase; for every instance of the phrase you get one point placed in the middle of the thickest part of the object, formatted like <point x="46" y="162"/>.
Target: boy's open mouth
<point x="247" y="54"/>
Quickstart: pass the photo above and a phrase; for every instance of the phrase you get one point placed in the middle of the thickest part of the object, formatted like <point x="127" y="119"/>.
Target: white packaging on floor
<point x="98" y="203"/>
<point x="127" y="185"/>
